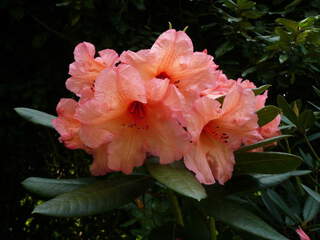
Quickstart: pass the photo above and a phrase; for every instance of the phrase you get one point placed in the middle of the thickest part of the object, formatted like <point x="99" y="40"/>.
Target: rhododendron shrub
<point x="171" y="111"/>
<point x="162" y="101"/>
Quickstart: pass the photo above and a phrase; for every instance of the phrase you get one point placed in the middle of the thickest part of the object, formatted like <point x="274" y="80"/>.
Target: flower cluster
<point x="167" y="101"/>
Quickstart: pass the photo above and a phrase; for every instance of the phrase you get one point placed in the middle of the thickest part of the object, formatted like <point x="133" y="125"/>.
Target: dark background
<point x="37" y="42"/>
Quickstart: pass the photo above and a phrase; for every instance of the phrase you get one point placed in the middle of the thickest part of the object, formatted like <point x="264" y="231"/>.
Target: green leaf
<point x="178" y="179"/>
<point x="306" y="120"/>
<point x="270" y="180"/>
<point x="289" y="24"/>
<point x="36" y="116"/>
<point x="261" y="89"/>
<point x="95" y="198"/>
<point x="248" y="71"/>
<point x="47" y="187"/>
<point x="283" y="58"/>
<point x="314" y="194"/>
<point x="262" y="143"/>
<point x="311" y="209"/>
<point x="254" y="182"/>
<point x="286" y="109"/>
<point x="266" y="162"/>
<point x="267" y="114"/>
<point x="236" y="215"/>
<point x="223" y="49"/>
<point x="279" y="202"/>
<point x="316" y="90"/>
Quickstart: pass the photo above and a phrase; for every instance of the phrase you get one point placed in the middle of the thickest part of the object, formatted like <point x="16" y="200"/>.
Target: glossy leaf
<point x="178" y="179"/>
<point x="311" y="209"/>
<point x="262" y="143"/>
<point x="266" y="162"/>
<point x="314" y="194"/>
<point x="267" y="114"/>
<point x="279" y="202"/>
<point x="236" y="215"/>
<point x="254" y="182"/>
<point x="306" y="120"/>
<point x="95" y="198"/>
<point x="286" y="109"/>
<point x="36" y="116"/>
<point x="47" y="187"/>
<point x="261" y="89"/>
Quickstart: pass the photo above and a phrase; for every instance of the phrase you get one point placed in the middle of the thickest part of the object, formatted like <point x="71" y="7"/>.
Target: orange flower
<point x="139" y="123"/>
<point x="219" y="130"/>
<point x="86" y="68"/>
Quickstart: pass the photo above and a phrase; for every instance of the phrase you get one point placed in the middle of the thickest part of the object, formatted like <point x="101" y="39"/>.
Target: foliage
<point x="273" y="43"/>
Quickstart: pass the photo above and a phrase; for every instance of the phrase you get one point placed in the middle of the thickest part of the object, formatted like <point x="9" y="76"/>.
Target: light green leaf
<point x="36" y="116"/>
<point x="261" y="89"/>
<point x="95" y="198"/>
<point x="314" y="194"/>
<point x="262" y="143"/>
<point x="236" y="215"/>
<point x="266" y="162"/>
<point x="283" y="58"/>
<point x="47" y="187"/>
<point x="267" y="114"/>
<point x="178" y="179"/>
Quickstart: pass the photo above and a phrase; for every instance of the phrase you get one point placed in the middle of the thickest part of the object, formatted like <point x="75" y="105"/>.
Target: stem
<point x="176" y="208"/>
<point x="311" y="148"/>
<point x="287" y="145"/>
<point x="213" y="231"/>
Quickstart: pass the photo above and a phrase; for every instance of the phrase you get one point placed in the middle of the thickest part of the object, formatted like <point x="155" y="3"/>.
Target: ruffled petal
<point x="165" y="137"/>
<point x="126" y="151"/>
<point x="169" y="46"/>
<point x="109" y="57"/>
<point x="157" y="89"/>
<point x="84" y="52"/>
<point x="210" y="160"/>
<point x="99" y="166"/>
<point x="94" y="136"/>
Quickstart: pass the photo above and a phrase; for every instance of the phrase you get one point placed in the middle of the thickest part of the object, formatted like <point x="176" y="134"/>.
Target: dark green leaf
<point x="36" y="116"/>
<point x="311" y="209"/>
<point x="260" y="90"/>
<point x="316" y="90"/>
<point x="95" y="198"/>
<point x="254" y="182"/>
<point x="267" y="114"/>
<point x="289" y="24"/>
<point x="314" y="194"/>
<point x="286" y="109"/>
<point x="178" y="179"/>
<point x="279" y="202"/>
<point x="236" y="215"/>
<point x="266" y="162"/>
<point x="47" y="187"/>
<point x="223" y="49"/>
<point x="262" y="143"/>
<point x="270" y="180"/>
<point x="306" y="120"/>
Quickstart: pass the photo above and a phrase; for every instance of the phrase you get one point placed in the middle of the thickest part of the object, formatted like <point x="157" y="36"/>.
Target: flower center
<point x="137" y="110"/>
<point x="163" y="75"/>
<point x="216" y="132"/>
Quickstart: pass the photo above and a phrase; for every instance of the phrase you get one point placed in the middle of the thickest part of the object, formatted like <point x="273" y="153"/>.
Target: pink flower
<point x="302" y="234"/>
<point x="66" y="125"/>
<point x="219" y="130"/>
<point x="86" y="68"/>
<point x="127" y="120"/>
<point x="171" y="59"/>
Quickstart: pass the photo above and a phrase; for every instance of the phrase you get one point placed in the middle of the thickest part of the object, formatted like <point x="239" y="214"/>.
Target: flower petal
<point x="126" y="151"/>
